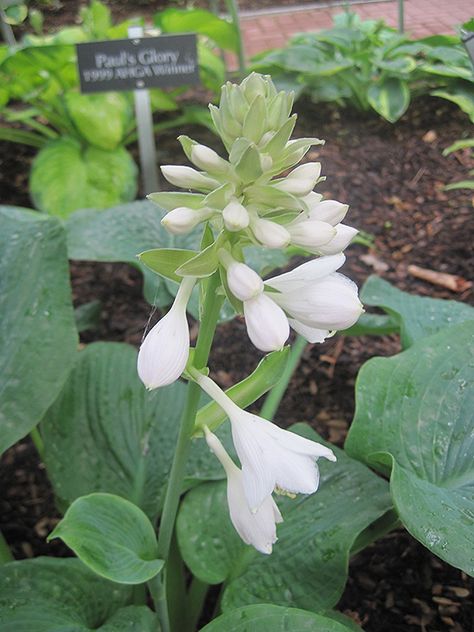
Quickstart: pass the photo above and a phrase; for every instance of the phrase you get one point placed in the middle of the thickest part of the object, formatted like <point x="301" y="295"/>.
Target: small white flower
<point x="328" y="211"/>
<point x="343" y="237"/>
<point x="270" y="457"/>
<point x="255" y="528"/>
<point x="244" y="283"/>
<point x="181" y="220"/>
<point x="235" y="216"/>
<point x="164" y="352"/>
<point x="302" y="180"/>
<point x="188" y="178"/>
<point x="269" y="233"/>
<point x="267" y="325"/>
<point x="310" y="234"/>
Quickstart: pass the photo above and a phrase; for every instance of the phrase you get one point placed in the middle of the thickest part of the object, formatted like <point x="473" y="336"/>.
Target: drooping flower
<point x="255" y="528"/>
<point x="317" y="297"/>
<point x="270" y="456"/>
<point x="164" y="351"/>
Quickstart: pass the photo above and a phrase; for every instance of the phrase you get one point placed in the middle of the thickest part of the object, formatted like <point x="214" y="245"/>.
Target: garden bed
<point x="393" y="178"/>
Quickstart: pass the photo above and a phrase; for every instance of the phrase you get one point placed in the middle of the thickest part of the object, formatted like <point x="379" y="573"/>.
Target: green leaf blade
<point x="112" y="537"/>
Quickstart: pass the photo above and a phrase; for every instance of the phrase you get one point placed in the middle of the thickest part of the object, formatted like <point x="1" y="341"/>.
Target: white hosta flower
<point x="343" y="237"/>
<point x="310" y="234"/>
<point x="244" y="283"/>
<point x="318" y="297"/>
<point x="235" y="216"/>
<point x="267" y="325"/>
<point x="164" y="352"/>
<point x="270" y="457"/>
<point x="181" y="220"/>
<point x="188" y="178"/>
<point x="269" y="233"/>
<point x="255" y="528"/>
<point x="329" y="211"/>
<point x="207" y="159"/>
<point x="302" y="180"/>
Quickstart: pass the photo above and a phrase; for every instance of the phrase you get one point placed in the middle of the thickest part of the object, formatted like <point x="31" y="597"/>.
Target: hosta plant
<point x="168" y="485"/>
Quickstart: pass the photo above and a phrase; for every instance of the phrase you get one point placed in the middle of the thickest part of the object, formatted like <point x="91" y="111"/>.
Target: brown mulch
<point x="393" y="177"/>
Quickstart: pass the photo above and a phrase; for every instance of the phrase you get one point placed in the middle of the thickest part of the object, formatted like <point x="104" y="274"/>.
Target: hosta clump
<point x="246" y="199"/>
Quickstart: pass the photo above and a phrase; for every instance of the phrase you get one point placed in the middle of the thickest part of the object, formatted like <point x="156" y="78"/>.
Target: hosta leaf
<point x="106" y="433"/>
<point x="112" y="536"/>
<point x="55" y="595"/>
<point x="200" y="21"/>
<point x="390" y="97"/>
<point x="270" y="618"/>
<point x="66" y="177"/>
<point x="37" y="332"/>
<point x="308" y="566"/>
<point x="418" y="316"/>
<point x="414" y="412"/>
<point x="102" y="119"/>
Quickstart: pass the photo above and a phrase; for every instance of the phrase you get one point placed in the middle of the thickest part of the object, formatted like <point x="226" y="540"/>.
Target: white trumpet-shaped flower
<point x="255" y="528"/>
<point x="164" y="351"/>
<point x="343" y="237"/>
<point x="311" y="234"/>
<point x="270" y="456"/>
<point x="318" y="297"/>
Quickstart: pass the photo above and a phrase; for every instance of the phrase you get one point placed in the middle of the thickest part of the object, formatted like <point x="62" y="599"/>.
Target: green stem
<point x="156" y="586"/>
<point x="212" y="306"/>
<point x="275" y="396"/>
<point x="196" y="597"/>
<point x="5" y="553"/>
<point x="38" y="441"/>
<point x="234" y="14"/>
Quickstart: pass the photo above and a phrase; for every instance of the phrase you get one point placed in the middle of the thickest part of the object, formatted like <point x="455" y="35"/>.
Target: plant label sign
<point x="138" y="63"/>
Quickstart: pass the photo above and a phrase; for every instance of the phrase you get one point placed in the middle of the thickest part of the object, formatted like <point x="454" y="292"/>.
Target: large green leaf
<point x="308" y="566"/>
<point x="112" y="536"/>
<point x="222" y="32"/>
<point x="270" y="618"/>
<point x="106" y="433"/>
<point x="37" y="332"/>
<point x="66" y="176"/>
<point x="102" y="119"/>
<point x="461" y="93"/>
<point x="414" y="411"/>
<point x="59" y="595"/>
<point x="390" y="97"/>
<point x="418" y="316"/>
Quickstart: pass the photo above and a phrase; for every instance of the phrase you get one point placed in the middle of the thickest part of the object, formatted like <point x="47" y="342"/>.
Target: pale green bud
<point x="270" y="234"/>
<point x="188" y="178"/>
<point x="181" y="220"/>
<point x="302" y="180"/>
<point x="207" y="159"/>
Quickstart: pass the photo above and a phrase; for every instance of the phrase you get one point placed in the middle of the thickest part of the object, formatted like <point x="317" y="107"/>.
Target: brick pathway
<point x="265" y="29"/>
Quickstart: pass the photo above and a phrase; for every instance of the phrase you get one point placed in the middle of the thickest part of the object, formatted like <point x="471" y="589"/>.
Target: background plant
<point x="78" y="134"/>
<point x="370" y="66"/>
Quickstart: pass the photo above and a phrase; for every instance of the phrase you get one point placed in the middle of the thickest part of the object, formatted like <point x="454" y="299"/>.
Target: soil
<point x="393" y="178"/>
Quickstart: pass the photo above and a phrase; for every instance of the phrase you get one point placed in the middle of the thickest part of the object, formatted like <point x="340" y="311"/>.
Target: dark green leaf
<point x="55" y="595"/>
<point x="112" y="536"/>
<point x="37" y="333"/>
<point x="106" y="433"/>
<point x="270" y="618"/>
<point x="414" y="411"/>
<point x="418" y="316"/>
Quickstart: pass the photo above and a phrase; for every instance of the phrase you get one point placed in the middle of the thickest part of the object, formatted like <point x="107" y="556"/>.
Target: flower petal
<point x="343" y="237"/>
<point x="311" y="334"/>
<point x="306" y="273"/>
<point x="267" y="325"/>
